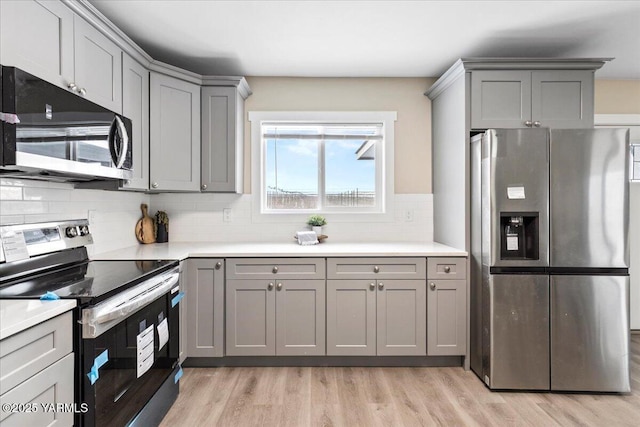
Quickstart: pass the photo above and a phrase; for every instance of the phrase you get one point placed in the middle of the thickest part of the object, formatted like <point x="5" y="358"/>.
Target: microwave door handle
<point x="118" y="129"/>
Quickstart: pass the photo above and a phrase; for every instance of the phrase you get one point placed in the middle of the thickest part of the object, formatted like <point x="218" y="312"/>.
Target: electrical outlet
<point x="227" y="215"/>
<point x="92" y="216"/>
<point x="408" y="215"/>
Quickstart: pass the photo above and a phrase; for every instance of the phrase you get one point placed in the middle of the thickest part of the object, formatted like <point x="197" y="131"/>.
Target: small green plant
<point x="162" y="218"/>
<point x="316" y="221"/>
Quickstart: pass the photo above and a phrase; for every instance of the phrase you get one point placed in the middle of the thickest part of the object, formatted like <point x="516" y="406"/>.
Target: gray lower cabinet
<point x="279" y="317"/>
<point x="174" y="121"/>
<point x="447" y="307"/>
<point x="36" y="368"/>
<point x="205" y="307"/>
<point x="376" y="317"/>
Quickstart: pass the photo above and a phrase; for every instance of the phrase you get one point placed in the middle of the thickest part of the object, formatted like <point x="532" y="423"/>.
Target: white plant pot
<point x="317" y="229"/>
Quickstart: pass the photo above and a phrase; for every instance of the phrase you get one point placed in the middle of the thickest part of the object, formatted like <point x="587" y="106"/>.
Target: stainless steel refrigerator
<point x="549" y="269"/>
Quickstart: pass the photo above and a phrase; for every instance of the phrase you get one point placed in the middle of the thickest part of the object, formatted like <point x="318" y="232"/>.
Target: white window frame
<point x="384" y="167"/>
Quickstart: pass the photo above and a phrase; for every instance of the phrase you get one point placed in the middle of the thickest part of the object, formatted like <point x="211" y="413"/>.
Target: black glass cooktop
<point x="92" y="281"/>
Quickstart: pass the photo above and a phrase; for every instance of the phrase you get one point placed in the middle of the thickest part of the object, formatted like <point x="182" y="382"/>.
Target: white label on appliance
<point x="512" y="243"/>
<point x="145" y="340"/>
<point x="163" y="334"/>
<point x="14" y="245"/>
<point x="515" y="192"/>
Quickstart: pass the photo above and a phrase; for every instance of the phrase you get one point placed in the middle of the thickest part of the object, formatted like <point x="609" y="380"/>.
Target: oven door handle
<point x="107" y="314"/>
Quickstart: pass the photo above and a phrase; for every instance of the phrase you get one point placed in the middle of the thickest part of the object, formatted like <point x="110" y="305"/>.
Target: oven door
<point x="124" y="366"/>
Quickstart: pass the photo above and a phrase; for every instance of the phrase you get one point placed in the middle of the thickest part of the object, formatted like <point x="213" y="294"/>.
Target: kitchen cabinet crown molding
<point x="238" y="82"/>
<point x="463" y="65"/>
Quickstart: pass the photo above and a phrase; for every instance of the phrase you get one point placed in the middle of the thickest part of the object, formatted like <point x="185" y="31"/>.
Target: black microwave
<point x="51" y="133"/>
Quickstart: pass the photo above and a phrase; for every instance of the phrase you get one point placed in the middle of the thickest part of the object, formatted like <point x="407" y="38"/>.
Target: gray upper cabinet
<point x="446" y="307"/>
<point x="175" y="134"/>
<point x="524" y="98"/>
<point x="57" y="45"/>
<point x="223" y="137"/>
<point x="98" y="66"/>
<point x="205" y="307"/>
<point x="37" y="36"/>
<point x="135" y="106"/>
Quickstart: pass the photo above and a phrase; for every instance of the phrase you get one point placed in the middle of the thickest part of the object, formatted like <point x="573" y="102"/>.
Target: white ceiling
<point x="375" y="38"/>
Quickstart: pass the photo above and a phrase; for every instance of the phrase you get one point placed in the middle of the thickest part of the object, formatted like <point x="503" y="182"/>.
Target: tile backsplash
<point x="193" y="217"/>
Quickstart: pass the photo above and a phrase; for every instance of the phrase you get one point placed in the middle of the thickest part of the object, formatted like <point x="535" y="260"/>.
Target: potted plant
<point x="316" y="222"/>
<point x="162" y="227"/>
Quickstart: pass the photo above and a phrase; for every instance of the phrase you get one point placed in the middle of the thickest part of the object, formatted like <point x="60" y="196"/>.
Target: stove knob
<point x="71" y="232"/>
<point x="84" y="230"/>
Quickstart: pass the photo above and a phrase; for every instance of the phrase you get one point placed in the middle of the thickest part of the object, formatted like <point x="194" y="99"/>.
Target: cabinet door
<point x="402" y="318"/>
<point x="37" y="36"/>
<point x="351" y="318"/>
<point x="51" y="386"/>
<point x="135" y="106"/>
<point x="446" y="318"/>
<point x="175" y="134"/>
<point x="500" y="99"/>
<point x="251" y="318"/>
<point x="562" y="99"/>
<point x="222" y="140"/>
<point x="97" y="65"/>
<point x="205" y="307"/>
<point x="300" y="318"/>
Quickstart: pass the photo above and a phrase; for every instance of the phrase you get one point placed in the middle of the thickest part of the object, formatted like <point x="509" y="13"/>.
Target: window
<point x="322" y="162"/>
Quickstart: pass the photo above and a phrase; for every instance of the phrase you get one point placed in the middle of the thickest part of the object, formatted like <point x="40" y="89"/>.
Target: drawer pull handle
<point x="376" y="269"/>
<point x="270" y="286"/>
<point x="274" y="270"/>
<point x="447" y="269"/>
<point x="432" y="286"/>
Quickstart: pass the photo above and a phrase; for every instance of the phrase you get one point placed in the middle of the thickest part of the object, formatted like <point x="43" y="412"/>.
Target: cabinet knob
<point x="218" y="265"/>
<point x="82" y="91"/>
<point x="279" y="286"/>
<point x="537" y="124"/>
<point x="447" y="269"/>
<point x="528" y="123"/>
<point x="270" y="286"/>
<point x="432" y="286"/>
<point x="372" y="286"/>
<point x="154" y="185"/>
<point x="127" y="182"/>
<point x="381" y="286"/>
<point x="204" y="186"/>
<point x="376" y="269"/>
<point x="274" y="270"/>
<point x="72" y="86"/>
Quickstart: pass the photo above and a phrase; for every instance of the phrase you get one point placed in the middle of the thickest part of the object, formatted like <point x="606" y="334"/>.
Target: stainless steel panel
<point x="590" y="333"/>
<point x="589" y="198"/>
<point x="518" y="355"/>
<point x="517" y="159"/>
<point x="475" y="331"/>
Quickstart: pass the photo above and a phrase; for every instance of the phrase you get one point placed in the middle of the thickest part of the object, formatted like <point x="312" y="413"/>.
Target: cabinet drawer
<point x="52" y="386"/>
<point x="447" y="268"/>
<point x="274" y="268"/>
<point x="376" y="268"/>
<point x="30" y="351"/>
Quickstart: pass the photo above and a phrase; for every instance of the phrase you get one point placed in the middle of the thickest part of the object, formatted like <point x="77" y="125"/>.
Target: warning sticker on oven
<point x="163" y="334"/>
<point x="145" y="340"/>
<point x="14" y="245"/>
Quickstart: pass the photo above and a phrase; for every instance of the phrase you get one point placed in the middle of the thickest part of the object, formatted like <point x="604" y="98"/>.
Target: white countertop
<point x="18" y="315"/>
<point x="183" y="250"/>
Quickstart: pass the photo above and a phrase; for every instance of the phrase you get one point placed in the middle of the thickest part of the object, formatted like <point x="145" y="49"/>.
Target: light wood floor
<point x="322" y="396"/>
